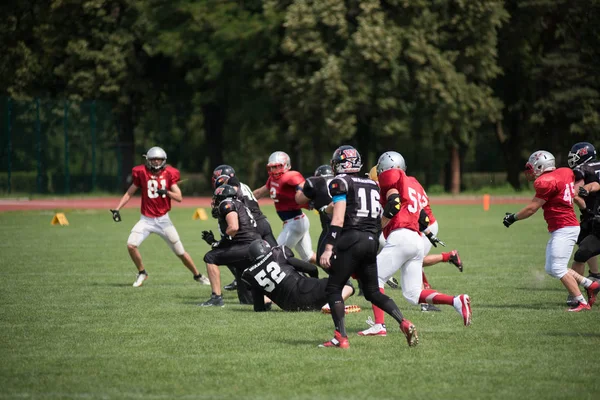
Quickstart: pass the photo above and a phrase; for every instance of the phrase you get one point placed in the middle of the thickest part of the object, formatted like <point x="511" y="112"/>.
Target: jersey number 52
<point x="268" y="277"/>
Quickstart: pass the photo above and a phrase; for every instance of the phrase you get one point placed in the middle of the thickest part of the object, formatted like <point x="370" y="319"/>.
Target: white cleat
<point x="139" y="280"/>
<point x="203" y="280"/>
<point x="374" y="330"/>
<point x="464" y="308"/>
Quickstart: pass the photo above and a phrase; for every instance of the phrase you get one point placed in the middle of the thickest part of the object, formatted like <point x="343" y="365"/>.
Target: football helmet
<point x="222" y="169"/>
<point x="221" y="180"/>
<point x="221" y="193"/>
<point x="581" y="153"/>
<point x="278" y="164"/>
<point x="390" y="160"/>
<point x="346" y="160"/>
<point x="258" y="249"/>
<point x="539" y="162"/>
<point x="324" y="170"/>
<point x="156" y="159"/>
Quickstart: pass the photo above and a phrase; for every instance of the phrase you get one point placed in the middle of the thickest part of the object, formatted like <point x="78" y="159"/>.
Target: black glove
<point x="116" y="215"/>
<point x="162" y="191"/>
<point x="583" y="192"/>
<point x="434" y="240"/>
<point x="208" y="237"/>
<point x="509" y="219"/>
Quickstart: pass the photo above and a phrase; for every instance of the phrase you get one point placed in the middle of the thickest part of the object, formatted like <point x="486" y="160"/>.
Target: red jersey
<point x="283" y="190"/>
<point x="557" y="189"/>
<point x="154" y="205"/>
<point x="412" y="199"/>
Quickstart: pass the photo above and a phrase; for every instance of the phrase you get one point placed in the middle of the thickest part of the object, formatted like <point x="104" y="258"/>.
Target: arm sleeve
<point x="136" y="178"/>
<point x="543" y="189"/>
<point x="305" y="267"/>
<point x="579" y="174"/>
<point x="175" y="176"/>
<point x="294" y="178"/>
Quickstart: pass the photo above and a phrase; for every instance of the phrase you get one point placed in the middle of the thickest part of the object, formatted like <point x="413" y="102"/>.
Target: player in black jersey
<point x="582" y="159"/>
<point x="238" y="230"/>
<point x="315" y="192"/>
<point x="225" y="174"/>
<point x="353" y="239"/>
<point x="277" y="274"/>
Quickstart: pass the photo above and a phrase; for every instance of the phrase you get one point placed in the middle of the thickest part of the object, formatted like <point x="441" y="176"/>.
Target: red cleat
<point x="410" y="332"/>
<point x="464" y="308"/>
<point x="592" y="291"/>
<point x="580" y="307"/>
<point x="455" y="259"/>
<point x="337" y="341"/>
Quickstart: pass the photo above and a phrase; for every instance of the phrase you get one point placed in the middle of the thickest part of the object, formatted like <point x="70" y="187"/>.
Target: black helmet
<point x="221" y="193"/>
<point x="581" y="153"/>
<point x="258" y="249"/>
<point x="324" y="170"/>
<point x="223" y="169"/>
<point x="346" y="160"/>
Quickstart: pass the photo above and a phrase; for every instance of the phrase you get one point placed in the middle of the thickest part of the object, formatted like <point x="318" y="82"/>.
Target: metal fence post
<point x="9" y="141"/>
<point x="38" y="145"/>
<point x="93" y="134"/>
<point x="66" y="129"/>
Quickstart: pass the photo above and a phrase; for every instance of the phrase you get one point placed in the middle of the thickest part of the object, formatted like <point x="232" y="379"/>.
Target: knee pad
<point x="178" y="248"/>
<point x="135" y="239"/>
<point x="412" y="296"/>
<point x="582" y="255"/>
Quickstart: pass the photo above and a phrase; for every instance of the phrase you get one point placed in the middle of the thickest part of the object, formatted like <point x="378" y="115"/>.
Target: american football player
<point x="554" y="193"/>
<point x="158" y="182"/>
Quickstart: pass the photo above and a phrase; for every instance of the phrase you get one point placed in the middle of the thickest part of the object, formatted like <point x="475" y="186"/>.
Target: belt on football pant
<point x="295" y="218"/>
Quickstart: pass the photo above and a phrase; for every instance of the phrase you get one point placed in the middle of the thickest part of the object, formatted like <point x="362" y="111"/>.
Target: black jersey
<point x="363" y="212"/>
<point x="247" y="225"/>
<point x="316" y="188"/>
<point x="589" y="172"/>
<point x="275" y="276"/>
<point x="245" y="195"/>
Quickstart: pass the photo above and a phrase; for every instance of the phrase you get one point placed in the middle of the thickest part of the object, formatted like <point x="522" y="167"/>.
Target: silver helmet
<point x="539" y="162"/>
<point x="155" y="153"/>
<point x="278" y="164"/>
<point x="390" y="160"/>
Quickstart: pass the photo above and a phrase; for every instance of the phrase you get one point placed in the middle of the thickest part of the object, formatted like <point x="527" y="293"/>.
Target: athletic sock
<point x="446" y="256"/>
<point x="585" y="282"/>
<point x="378" y="313"/>
<point x="434" y="297"/>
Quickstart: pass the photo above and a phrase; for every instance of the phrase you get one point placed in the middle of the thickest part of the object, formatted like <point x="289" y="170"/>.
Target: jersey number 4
<point x="153" y="187"/>
<point x="569" y="193"/>
<point x="268" y="277"/>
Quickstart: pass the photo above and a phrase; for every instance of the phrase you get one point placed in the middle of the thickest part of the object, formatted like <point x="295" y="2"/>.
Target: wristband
<point x="333" y="234"/>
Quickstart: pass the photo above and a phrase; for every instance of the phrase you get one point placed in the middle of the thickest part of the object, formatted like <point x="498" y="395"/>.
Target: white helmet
<point x="539" y="162"/>
<point x="278" y="164"/>
<point x="155" y="153"/>
<point x="390" y="160"/>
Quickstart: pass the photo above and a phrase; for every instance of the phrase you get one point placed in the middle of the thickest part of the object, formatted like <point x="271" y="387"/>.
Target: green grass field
<point x="72" y="327"/>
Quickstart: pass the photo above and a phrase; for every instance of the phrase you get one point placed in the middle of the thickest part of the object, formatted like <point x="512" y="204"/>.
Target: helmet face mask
<point x="346" y="160"/>
<point x="324" y="170"/>
<point x="390" y="160"/>
<point x="221" y="170"/>
<point x="258" y="250"/>
<point x="221" y="193"/>
<point x="156" y="159"/>
<point x="539" y="162"/>
<point x="581" y="153"/>
<point x="278" y="164"/>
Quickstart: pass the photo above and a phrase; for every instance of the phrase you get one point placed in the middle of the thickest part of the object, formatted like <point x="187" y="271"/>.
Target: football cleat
<point x="348" y="309"/>
<point x="580" y="307"/>
<point x="232" y="286"/>
<point x="410" y="332"/>
<point x="214" y="301"/>
<point x="464" y="308"/>
<point x="139" y="279"/>
<point x="425" y="307"/>
<point x="374" y="330"/>
<point x="393" y="283"/>
<point x="203" y="280"/>
<point x="572" y="301"/>
<point x="455" y="259"/>
<point x="592" y="292"/>
<point x="337" y="341"/>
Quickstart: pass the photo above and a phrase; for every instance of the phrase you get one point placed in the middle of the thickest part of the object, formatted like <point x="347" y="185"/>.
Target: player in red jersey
<point x="158" y="182"/>
<point x="403" y="198"/>
<point x="282" y="186"/>
<point x="554" y="193"/>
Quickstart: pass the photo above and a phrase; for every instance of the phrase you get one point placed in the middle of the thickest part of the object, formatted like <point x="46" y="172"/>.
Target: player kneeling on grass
<point x="554" y="192"/>
<point x="277" y="274"/>
<point x="159" y="185"/>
